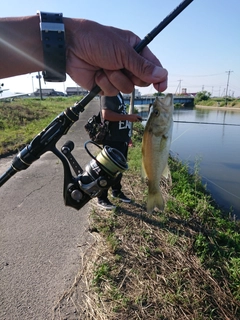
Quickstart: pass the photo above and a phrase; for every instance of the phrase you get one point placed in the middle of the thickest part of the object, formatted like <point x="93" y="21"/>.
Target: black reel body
<point x="100" y="173"/>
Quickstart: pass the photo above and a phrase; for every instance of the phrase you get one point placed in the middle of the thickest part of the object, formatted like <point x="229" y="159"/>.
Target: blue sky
<point x="198" y="48"/>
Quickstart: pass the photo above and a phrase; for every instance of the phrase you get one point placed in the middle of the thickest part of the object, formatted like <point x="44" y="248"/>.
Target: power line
<point x="198" y="76"/>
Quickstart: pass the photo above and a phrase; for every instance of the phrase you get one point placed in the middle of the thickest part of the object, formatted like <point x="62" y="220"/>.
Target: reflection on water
<point x="215" y="147"/>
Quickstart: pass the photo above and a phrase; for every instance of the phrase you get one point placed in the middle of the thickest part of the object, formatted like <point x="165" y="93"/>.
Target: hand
<point x="96" y="54"/>
<point x="102" y="55"/>
<point x="134" y="117"/>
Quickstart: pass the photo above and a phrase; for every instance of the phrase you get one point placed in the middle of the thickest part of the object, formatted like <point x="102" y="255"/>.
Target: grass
<point x="220" y="102"/>
<point x="22" y="119"/>
<point x="182" y="263"/>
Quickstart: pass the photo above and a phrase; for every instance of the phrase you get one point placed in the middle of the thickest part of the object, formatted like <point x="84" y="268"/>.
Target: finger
<point x="157" y="72"/>
<point x="81" y="72"/>
<point x="107" y="88"/>
<point x="162" y="86"/>
<point x="145" y="70"/>
<point x="147" y="54"/>
<point x="110" y="81"/>
<point x="137" y="82"/>
<point x="120" y="80"/>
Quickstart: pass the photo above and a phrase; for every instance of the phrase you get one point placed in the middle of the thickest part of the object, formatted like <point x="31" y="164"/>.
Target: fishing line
<point x="182" y="134"/>
<point x="200" y="122"/>
<point x="232" y="194"/>
<point x="212" y="123"/>
<point x="215" y="184"/>
<point x="210" y="181"/>
<point x="198" y="76"/>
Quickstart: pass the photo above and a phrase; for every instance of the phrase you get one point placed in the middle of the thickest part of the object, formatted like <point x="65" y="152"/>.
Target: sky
<point x="200" y="48"/>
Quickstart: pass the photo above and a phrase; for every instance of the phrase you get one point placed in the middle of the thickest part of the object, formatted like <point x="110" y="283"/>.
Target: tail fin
<point x="155" y="200"/>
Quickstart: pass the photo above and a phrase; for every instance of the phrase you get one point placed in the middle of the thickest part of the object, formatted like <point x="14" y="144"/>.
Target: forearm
<point x="20" y="46"/>
<point x="114" y="116"/>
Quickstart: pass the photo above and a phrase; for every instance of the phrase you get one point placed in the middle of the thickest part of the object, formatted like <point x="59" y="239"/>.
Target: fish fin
<point x="155" y="200"/>
<point x="143" y="173"/>
<point x="167" y="174"/>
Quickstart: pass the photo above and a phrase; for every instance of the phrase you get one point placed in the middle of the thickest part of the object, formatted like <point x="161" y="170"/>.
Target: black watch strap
<point x="54" y="50"/>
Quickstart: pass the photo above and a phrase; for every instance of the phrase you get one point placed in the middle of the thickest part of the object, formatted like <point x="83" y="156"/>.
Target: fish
<point x="156" y="142"/>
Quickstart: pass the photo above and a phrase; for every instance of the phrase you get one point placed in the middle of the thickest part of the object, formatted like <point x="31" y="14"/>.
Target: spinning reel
<point x="100" y="173"/>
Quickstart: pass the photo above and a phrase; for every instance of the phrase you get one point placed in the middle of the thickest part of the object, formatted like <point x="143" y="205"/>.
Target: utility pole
<point x="228" y="72"/>
<point x="32" y="84"/>
<point x="180" y="81"/>
<point x="179" y="86"/>
<point x="1" y="85"/>
<point x="40" y="87"/>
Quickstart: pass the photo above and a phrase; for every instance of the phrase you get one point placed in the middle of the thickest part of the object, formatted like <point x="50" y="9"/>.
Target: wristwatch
<point x="54" y="51"/>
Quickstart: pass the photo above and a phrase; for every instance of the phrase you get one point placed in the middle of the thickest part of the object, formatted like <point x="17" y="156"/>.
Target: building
<point x="49" y="93"/>
<point x="76" y="91"/>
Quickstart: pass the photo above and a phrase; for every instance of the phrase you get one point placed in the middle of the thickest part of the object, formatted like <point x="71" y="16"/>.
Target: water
<point x="214" y="148"/>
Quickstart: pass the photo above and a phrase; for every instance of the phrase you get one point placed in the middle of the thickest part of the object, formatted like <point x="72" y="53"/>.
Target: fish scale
<point x="155" y="149"/>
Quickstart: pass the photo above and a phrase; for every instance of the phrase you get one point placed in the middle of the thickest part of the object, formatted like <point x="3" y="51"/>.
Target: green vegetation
<point x="22" y="119"/>
<point x="182" y="263"/>
<point x="204" y="98"/>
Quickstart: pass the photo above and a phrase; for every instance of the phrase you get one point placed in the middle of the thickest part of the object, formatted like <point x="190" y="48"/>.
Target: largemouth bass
<point x="156" y="143"/>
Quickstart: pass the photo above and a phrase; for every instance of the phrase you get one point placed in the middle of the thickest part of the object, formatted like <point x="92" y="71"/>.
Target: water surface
<point x="209" y="139"/>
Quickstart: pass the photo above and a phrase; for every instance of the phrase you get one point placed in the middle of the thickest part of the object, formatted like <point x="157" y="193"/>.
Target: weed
<point x="101" y="272"/>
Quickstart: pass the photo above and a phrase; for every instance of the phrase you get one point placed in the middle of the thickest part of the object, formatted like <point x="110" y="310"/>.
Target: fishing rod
<point x="102" y="171"/>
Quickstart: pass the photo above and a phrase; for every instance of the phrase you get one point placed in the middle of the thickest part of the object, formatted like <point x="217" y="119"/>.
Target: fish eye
<point x="156" y="112"/>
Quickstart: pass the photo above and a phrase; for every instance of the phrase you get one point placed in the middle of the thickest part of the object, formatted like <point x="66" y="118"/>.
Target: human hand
<point x="134" y="117"/>
<point x="105" y="56"/>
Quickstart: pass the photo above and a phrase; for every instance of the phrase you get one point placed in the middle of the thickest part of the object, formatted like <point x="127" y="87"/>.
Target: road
<point x="41" y="240"/>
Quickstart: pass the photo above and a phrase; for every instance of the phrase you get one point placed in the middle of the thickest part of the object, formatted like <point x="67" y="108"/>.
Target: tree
<point x="201" y="96"/>
<point x="158" y="94"/>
